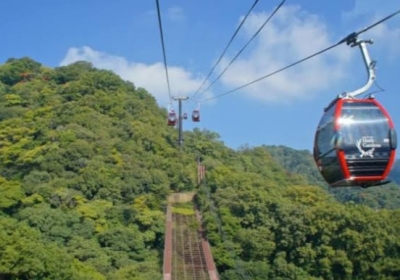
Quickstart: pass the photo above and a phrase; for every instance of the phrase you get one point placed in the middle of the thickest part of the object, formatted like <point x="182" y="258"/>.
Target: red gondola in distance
<point x="171" y="118"/>
<point x="355" y="142"/>
<point x="196" y="115"/>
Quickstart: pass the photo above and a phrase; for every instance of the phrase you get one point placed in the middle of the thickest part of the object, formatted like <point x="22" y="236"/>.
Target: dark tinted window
<point x="324" y="151"/>
<point x="325" y="132"/>
<point x="363" y="128"/>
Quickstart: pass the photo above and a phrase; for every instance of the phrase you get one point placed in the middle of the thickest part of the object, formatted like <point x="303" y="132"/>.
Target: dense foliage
<point x="266" y="223"/>
<point x="86" y="164"/>
<point x="85" y="167"/>
<point x="301" y="162"/>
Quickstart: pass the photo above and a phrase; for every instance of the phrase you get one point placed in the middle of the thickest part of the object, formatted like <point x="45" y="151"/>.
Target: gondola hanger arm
<point x="369" y="64"/>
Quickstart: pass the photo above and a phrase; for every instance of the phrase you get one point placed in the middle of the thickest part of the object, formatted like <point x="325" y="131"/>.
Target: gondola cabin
<point x="196" y="115"/>
<point x="185" y="116"/>
<point x="355" y="143"/>
<point x="171" y="118"/>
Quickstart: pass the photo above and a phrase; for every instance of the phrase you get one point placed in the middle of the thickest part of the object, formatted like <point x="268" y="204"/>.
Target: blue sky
<point x="123" y="36"/>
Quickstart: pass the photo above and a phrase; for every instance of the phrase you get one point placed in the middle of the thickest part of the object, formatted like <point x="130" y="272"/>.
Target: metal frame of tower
<point x="180" y="126"/>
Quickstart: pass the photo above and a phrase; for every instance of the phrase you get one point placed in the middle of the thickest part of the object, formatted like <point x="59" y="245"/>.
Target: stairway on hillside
<point x="187" y="253"/>
<point x="188" y="260"/>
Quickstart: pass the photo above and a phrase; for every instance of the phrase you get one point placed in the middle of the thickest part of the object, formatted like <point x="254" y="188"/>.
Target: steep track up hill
<point x="187" y="253"/>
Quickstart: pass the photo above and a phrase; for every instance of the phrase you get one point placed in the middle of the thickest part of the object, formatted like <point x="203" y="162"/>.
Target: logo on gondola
<point x="367" y="142"/>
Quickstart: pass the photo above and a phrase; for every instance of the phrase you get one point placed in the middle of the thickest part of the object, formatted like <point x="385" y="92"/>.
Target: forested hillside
<point x="302" y="162"/>
<point x="86" y="164"/>
<point x="266" y="223"/>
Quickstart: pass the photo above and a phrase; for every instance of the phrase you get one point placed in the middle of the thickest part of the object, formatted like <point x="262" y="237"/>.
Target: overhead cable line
<point x="347" y="39"/>
<point x="226" y="48"/>
<point x="251" y="39"/>
<point x="163" y="49"/>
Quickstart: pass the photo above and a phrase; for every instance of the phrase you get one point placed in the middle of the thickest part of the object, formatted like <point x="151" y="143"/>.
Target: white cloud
<point x="151" y="77"/>
<point x="175" y="14"/>
<point x="291" y="35"/>
<point x="386" y="39"/>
